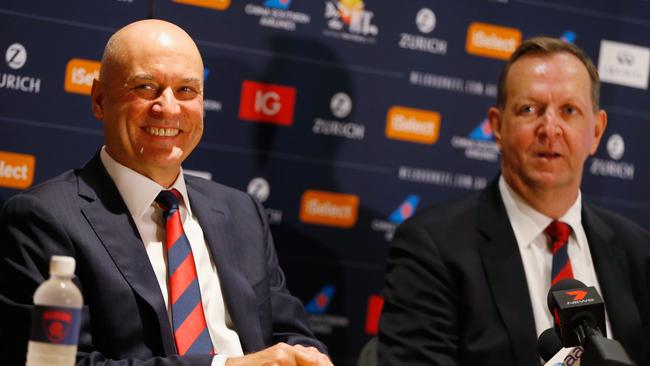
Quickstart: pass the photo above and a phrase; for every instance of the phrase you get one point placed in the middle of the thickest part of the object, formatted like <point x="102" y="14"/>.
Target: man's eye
<point x="570" y="110"/>
<point x="186" y="92"/>
<point x="527" y="109"/>
<point x="145" y="87"/>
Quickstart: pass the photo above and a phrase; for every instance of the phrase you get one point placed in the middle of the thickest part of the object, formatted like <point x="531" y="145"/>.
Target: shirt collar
<point x="528" y="223"/>
<point x="138" y="191"/>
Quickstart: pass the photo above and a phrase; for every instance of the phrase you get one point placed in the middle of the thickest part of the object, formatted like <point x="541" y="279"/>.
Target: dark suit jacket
<point x="456" y="292"/>
<point x="81" y="214"/>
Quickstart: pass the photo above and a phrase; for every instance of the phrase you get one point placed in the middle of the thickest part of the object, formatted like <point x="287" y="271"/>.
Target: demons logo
<point x="56" y="324"/>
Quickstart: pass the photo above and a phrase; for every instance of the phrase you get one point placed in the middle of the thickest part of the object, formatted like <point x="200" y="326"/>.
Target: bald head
<point x="150" y="97"/>
<point x="143" y="38"/>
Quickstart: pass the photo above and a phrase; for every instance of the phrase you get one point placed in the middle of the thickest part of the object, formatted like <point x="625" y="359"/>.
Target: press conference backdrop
<point x="342" y="117"/>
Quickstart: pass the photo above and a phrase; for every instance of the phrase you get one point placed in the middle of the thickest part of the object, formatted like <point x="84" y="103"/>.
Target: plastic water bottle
<point x="56" y="317"/>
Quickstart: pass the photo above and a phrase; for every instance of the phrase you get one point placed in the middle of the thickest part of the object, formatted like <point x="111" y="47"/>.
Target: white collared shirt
<point x="528" y="225"/>
<point x="139" y="193"/>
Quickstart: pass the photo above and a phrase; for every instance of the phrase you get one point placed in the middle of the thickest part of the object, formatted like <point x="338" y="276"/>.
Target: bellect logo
<point x="492" y="41"/>
<point x="413" y="125"/>
<point x="329" y="208"/>
<point x="271" y="103"/>
<point x="79" y="75"/>
<point x="211" y="4"/>
<point x="16" y="170"/>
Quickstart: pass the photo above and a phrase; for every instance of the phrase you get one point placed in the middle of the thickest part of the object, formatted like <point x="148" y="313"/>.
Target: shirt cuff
<point x="219" y="360"/>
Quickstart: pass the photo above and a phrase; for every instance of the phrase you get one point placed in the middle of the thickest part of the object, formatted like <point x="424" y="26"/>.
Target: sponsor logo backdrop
<point x="342" y="117"/>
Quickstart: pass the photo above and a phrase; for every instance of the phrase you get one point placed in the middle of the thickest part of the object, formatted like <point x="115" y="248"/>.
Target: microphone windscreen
<point x="548" y="344"/>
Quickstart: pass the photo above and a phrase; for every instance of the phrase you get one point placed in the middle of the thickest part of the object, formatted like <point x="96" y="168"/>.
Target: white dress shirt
<point x="139" y="193"/>
<point x="528" y="225"/>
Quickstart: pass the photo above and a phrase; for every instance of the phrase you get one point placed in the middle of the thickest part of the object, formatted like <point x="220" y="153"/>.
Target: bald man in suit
<point x="150" y="99"/>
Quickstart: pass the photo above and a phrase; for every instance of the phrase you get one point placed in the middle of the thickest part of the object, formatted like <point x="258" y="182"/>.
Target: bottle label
<point x="55" y="325"/>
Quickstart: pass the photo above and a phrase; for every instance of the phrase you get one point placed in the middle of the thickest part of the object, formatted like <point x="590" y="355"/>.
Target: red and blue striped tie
<point x="188" y="318"/>
<point x="558" y="233"/>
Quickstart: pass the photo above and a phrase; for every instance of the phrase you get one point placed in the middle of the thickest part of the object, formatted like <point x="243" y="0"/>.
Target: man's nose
<point x="551" y="124"/>
<point x="166" y="103"/>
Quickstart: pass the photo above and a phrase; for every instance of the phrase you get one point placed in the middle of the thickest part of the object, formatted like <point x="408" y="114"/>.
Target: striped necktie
<point x="188" y="318"/>
<point x="558" y="234"/>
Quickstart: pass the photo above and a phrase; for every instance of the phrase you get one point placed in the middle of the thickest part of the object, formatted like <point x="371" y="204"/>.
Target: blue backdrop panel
<point x="346" y="78"/>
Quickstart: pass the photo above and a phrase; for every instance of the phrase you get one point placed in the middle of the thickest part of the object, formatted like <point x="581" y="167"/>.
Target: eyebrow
<point x="151" y="77"/>
<point x="140" y="77"/>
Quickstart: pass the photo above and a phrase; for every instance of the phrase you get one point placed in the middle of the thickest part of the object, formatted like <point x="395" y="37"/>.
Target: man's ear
<point x="494" y="117"/>
<point x="599" y="130"/>
<point x="97" y="99"/>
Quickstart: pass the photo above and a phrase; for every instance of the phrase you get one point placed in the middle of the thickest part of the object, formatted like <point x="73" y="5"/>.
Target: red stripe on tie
<point x="557" y="245"/>
<point x="173" y="230"/>
<point x="191" y="328"/>
<point x="182" y="278"/>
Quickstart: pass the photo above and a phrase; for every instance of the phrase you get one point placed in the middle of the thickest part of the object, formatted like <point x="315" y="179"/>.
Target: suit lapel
<point x="506" y="277"/>
<point x="213" y="215"/>
<point x="108" y="216"/>
<point x="613" y="275"/>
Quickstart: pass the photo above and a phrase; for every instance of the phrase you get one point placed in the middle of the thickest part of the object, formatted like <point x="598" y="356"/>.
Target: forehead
<point x="156" y="54"/>
<point x="560" y="71"/>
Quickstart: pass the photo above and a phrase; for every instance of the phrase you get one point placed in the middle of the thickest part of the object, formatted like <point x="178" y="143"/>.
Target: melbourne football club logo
<point x="57" y="325"/>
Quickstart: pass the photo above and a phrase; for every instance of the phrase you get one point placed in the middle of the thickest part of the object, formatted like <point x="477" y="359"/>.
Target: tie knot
<point x="168" y="200"/>
<point x="558" y="231"/>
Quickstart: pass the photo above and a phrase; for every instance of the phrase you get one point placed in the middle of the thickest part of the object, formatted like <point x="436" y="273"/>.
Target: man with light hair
<point x="467" y="281"/>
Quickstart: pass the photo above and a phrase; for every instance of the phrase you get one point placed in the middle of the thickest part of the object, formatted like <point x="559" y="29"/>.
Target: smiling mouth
<point x="164" y="132"/>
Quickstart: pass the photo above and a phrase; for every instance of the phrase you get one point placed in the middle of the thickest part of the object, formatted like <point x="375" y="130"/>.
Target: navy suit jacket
<point x="456" y="291"/>
<point x="81" y="214"/>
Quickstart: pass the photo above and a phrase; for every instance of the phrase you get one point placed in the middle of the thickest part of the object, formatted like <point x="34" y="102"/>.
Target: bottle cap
<point x="62" y="266"/>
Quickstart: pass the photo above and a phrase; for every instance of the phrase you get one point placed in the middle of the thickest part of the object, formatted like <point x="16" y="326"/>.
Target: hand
<point x="283" y="354"/>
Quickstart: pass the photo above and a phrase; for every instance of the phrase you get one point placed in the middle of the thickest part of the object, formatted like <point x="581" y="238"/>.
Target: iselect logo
<point x="329" y="208"/>
<point x="211" y="4"/>
<point x="413" y="125"/>
<point x="79" y="75"/>
<point x="493" y="41"/>
<point x="16" y="170"/>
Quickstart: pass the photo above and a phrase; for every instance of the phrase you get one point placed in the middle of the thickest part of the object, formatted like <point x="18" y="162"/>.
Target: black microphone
<point x="578" y="311"/>
<point x="548" y="344"/>
<point x="579" y="317"/>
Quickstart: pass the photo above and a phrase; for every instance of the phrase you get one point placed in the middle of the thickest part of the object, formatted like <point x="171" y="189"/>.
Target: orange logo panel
<point x="492" y="41"/>
<point x="577" y="294"/>
<point x="16" y="170"/>
<point x="413" y="125"/>
<point x="79" y="75"/>
<point x="329" y="208"/>
<point x="211" y="4"/>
